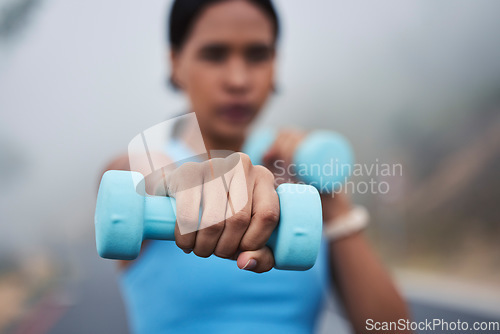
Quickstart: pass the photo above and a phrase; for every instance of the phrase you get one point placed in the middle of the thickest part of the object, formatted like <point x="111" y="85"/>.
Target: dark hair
<point x="184" y="13"/>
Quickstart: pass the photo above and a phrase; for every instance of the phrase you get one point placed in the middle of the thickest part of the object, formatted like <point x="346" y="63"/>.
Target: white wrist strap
<point x="348" y="224"/>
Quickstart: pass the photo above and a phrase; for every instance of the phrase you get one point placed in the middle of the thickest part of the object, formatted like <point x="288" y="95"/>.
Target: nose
<point x="237" y="76"/>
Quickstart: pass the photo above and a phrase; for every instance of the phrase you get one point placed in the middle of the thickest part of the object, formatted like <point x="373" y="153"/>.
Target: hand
<point x="284" y="146"/>
<point x="281" y="154"/>
<point x="279" y="157"/>
<point x="238" y="206"/>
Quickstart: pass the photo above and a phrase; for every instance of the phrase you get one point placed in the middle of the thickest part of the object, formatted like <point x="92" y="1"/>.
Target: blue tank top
<point x="168" y="291"/>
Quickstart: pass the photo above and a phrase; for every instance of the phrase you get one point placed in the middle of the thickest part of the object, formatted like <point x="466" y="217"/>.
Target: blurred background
<point x="415" y="83"/>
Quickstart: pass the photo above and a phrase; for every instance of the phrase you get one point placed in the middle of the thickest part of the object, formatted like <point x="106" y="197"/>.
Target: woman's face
<point x="226" y="66"/>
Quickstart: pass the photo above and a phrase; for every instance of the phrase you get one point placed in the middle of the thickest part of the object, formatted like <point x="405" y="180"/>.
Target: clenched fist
<point x="226" y="207"/>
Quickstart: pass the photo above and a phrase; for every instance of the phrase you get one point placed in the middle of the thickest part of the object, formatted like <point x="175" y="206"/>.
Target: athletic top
<point x="168" y="291"/>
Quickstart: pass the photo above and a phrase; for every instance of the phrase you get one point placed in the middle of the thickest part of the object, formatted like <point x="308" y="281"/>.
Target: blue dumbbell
<point x="125" y="216"/>
<point x="323" y="159"/>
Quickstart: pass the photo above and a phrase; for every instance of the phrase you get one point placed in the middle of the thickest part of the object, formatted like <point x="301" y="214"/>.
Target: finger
<point x="258" y="261"/>
<point x="187" y="216"/>
<point x="283" y="147"/>
<point x="214" y="203"/>
<point x="265" y="211"/>
<point x="238" y="213"/>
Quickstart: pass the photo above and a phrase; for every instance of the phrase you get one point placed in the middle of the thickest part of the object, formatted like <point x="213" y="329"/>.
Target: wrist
<point x="334" y="206"/>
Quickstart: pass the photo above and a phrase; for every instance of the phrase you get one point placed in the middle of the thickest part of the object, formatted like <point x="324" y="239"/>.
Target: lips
<point x="236" y="112"/>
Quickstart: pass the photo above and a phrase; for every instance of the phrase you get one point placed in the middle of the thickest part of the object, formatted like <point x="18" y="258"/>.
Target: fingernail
<point x="251" y="264"/>
<point x="187" y="251"/>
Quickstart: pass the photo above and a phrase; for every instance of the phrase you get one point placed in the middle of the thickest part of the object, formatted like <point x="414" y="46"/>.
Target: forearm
<point x="365" y="287"/>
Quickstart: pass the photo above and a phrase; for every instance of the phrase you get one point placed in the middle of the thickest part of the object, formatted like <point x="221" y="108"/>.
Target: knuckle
<point x="248" y="244"/>
<point x="214" y="229"/>
<point x="213" y="168"/>
<point x="240" y="220"/>
<point x="268" y="218"/>
<point x="264" y="173"/>
<point x="187" y="168"/>
<point x="245" y="159"/>
<point x="187" y="176"/>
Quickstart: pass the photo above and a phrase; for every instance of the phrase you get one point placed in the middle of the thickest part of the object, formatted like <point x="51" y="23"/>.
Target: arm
<point x="365" y="287"/>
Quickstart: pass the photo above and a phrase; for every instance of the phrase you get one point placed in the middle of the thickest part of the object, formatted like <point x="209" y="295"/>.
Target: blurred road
<point x="96" y="306"/>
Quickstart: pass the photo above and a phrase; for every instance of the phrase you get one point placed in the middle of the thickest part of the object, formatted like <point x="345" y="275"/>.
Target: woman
<point x="223" y="59"/>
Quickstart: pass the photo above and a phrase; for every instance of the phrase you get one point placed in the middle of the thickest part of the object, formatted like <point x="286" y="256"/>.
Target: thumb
<point x="258" y="261"/>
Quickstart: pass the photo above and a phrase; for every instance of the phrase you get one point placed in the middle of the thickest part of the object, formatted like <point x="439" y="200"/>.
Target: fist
<point x="226" y="207"/>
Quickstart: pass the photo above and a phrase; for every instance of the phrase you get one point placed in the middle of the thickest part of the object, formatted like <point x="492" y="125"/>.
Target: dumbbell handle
<point x="159" y="219"/>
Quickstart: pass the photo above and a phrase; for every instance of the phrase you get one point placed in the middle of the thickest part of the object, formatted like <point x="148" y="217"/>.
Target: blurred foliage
<point x="14" y="17"/>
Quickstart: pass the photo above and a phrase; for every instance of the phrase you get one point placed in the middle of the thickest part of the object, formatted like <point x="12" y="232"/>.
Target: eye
<point x="258" y="53"/>
<point x="214" y="53"/>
